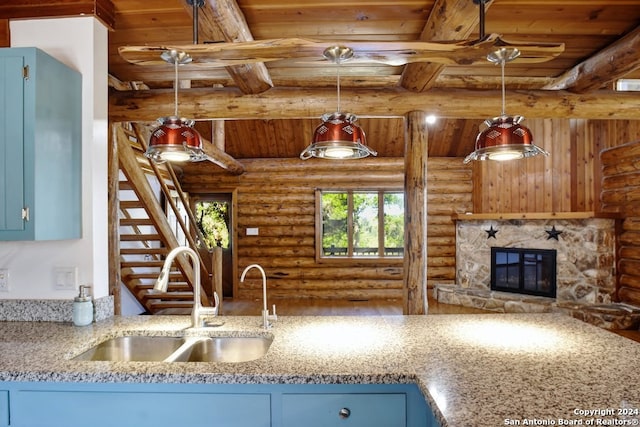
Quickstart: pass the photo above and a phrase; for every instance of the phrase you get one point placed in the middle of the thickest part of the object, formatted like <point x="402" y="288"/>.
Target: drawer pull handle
<point x="344" y="413"/>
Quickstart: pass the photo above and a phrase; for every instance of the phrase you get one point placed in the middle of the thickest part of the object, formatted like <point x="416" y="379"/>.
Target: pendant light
<point x="175" y="140"/>
<point x="503" y="137"/>
<point x="338" y="137"/>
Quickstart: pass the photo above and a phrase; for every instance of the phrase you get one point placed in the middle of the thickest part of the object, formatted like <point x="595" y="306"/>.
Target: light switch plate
<point x="4" y="280"/>
<point x="65" y="278"/>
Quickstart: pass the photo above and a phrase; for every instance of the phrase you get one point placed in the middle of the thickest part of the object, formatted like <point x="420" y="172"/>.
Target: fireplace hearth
<point x="524" y="271"/>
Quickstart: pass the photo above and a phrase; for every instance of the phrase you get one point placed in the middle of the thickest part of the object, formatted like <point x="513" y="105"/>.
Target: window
<point x="213" y="220"/>
<point x="361" y="224"/>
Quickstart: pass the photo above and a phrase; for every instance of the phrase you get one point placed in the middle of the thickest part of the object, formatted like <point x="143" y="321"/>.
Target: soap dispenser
<point x="83" y="307"/>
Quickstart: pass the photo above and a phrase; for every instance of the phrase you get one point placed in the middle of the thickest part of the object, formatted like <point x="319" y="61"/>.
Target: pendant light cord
<point x="175" y="97"/>
<point x="502" y="64"/>
<point x="338" y="78"/>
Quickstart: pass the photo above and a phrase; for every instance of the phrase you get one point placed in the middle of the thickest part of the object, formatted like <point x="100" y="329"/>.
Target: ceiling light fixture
<point x="175" y="140"/>
<point x="338" y="137"/>
<point x="503" y="137"/>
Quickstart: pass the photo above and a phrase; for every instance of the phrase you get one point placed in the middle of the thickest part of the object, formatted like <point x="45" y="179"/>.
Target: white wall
<point x="81" y="43"/>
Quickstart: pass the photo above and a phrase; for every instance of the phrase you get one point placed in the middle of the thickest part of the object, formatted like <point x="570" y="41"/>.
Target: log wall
<point x="621" y="196"/>
<point x="278" y="197"/>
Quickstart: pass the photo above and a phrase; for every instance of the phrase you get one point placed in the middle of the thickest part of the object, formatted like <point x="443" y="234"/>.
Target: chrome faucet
<point x="198" y="311"/>
<point x="266" y="317"/>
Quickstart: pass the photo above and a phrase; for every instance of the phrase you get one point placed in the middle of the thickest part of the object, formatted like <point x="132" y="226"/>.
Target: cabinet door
<point x="40" y="147"/>
<point x="4" y="408"/>
<point x="76" y="408"/>
<point x="11" y="143"/>
<point x="349" y="410"/>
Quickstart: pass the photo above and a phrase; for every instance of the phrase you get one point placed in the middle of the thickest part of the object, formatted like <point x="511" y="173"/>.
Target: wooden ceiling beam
<point x="611" y="63"/>
<point x="221" y="158"/>
<point x="281" y="103"/>
<point x="222" y="20"/>
<point x="29" y="9"/>
<point x="449" y="20"/>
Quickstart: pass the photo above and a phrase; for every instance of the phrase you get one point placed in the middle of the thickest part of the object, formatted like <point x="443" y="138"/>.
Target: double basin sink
<point x="142" y="348"/>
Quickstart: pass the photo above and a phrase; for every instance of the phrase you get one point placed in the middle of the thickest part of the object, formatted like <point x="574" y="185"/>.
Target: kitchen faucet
<point x="266" y="317"/>
<point x="198" y="311"/>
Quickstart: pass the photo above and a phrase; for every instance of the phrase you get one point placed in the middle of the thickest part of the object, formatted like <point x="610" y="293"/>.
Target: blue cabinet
<point x="35" y="404"/>
<point x="40" y="147"/>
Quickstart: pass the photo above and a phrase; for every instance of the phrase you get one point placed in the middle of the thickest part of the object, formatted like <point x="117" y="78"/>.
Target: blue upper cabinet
<point x="40" y="147"/>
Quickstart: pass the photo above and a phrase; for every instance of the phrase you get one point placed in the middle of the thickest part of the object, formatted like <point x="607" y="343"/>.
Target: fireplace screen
<point x="525" y="271"/>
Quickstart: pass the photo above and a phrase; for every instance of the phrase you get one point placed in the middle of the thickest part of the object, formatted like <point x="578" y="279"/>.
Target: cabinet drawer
<point x="352" y="410"/>
<point x="152" y="409"/>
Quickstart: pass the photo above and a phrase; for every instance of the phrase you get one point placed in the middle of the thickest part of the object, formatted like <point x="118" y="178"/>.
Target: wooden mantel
<point x="529" y="216"/>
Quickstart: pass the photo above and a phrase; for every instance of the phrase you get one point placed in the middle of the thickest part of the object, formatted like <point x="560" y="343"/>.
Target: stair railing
<point x="201" y="241"/>
<point x="140" y="185"/>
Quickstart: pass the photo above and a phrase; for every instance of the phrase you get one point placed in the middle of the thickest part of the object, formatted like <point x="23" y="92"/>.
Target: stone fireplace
<point x="585" y="262"/>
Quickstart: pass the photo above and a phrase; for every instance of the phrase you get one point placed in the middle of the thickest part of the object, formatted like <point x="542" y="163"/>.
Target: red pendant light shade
<point x="338" y="137"/>
<point x="175" y="140"/>
<point x="504" y="139"/>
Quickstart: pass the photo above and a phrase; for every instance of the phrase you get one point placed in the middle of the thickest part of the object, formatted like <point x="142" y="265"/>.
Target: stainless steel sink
<point x="226" y="349"/>
<point x="133" y="348"/>
<point x="140" y="348"/>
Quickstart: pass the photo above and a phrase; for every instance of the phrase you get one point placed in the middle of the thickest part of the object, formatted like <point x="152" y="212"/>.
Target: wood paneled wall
<point x="569" y="180"/>
<point x="278" y="197"/>
<point x="565" y="181"/>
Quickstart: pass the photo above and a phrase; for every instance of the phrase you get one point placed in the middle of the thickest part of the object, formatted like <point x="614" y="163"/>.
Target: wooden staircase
<point x="145" y="234"/>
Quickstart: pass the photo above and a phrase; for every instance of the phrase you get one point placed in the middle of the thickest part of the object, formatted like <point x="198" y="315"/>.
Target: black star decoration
<point x="491" y="232"/>
<point x="553" y="233"/>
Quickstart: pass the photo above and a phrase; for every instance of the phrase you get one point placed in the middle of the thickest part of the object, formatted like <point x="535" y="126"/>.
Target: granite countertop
<point x="474" y="370"/>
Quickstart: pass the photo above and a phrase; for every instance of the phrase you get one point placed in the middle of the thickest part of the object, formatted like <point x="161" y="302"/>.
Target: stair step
<point x="125" y="185"/>
<point x="136" y="221"/>
<point x="139" y="237"/>
<point x="152" y="275"/>
<point x="143" y="251"/>
<point x="131" y="204"/>
<point x="173" y="287"/>
<point x="169" y="296"/>
<point x="142" y="263"/>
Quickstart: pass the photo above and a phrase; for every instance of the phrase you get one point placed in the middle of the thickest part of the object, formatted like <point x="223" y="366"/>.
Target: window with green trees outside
<point x="361" y="224"/>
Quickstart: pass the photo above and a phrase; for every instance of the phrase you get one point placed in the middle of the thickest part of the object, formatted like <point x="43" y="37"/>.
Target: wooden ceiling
<point x="290" y="96"/>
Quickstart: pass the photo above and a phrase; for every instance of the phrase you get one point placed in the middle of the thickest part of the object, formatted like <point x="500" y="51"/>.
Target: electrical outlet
<point x="65" y="278"/>
<point x="4" y="280"/>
